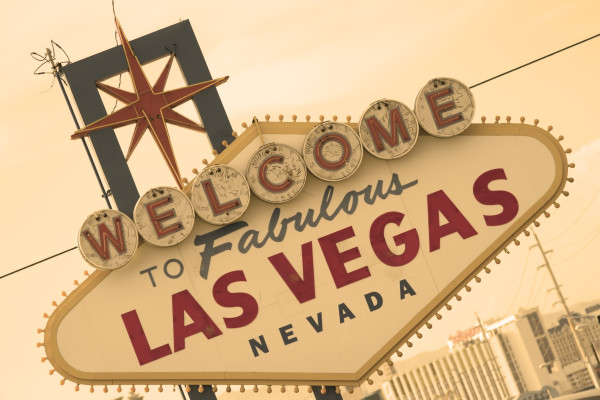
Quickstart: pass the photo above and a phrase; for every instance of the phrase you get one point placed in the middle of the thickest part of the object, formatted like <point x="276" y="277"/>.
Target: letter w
<point x="303" y="289"/>
<point x="105" y="236"/>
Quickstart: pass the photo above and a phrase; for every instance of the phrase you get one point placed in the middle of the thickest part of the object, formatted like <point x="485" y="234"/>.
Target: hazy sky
<point x="308" y="57"/>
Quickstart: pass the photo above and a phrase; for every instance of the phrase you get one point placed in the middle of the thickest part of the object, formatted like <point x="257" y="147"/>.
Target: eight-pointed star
<point x="149" y="107"/>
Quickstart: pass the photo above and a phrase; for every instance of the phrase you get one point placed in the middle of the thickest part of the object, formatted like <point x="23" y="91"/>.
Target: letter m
<point x="105" y="235"/>
<point x="379" y="133"/>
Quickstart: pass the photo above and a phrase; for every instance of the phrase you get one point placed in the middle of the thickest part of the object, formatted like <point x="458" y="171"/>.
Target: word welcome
<point x="386" y="130"/>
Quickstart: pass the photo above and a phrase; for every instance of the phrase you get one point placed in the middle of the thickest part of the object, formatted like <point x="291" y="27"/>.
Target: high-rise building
<point x="567" y="352"/>
<point x="524" y="353"/>
<point x="515" y="356"/>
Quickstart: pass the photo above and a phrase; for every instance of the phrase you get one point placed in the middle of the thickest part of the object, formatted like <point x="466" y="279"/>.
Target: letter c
<point x="264" y="180"/>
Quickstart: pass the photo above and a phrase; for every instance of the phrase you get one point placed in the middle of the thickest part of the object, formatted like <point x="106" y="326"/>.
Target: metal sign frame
<point x="83" y="75"/>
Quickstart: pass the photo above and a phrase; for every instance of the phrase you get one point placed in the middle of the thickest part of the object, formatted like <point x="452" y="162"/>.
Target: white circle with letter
<point x="107" y="239"/>
<point x="220" y="194"/>
<point x="332" y="151"/>
<point x="164" y="216"/>
<point x="388" y="129"/>
<point x="445" y="107"/>
<point x="276" y="173"/>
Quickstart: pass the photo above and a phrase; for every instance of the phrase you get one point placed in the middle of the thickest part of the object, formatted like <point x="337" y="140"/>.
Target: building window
<point x="545" y="349"/>
<point x="535" y="324"/>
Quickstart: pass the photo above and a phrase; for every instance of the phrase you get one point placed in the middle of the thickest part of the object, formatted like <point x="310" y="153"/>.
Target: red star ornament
<point x="149" y="107"/>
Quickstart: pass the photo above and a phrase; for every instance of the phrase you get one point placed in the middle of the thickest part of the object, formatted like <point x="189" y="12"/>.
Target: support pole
<point x="495" y="366"/>
<point x="329" y="394"/>
<point x="57" y="70"/>
<point x="584" y="358"/>
<point x="194" y="394"/>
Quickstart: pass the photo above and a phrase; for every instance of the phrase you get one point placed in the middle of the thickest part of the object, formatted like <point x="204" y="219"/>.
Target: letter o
<point x="166" y="269"/>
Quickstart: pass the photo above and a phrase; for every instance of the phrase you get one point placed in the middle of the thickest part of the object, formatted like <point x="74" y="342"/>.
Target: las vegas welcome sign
<point x="321" y="289"/>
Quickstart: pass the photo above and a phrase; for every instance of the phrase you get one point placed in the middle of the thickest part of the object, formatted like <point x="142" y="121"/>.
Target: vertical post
<point x="207" y="393"/>
<point x="584" y="358"/>
<point x="329" y="394"/>
<point x="495" y="366"/>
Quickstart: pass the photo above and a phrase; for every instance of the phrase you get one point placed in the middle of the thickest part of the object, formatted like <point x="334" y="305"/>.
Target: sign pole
<point x="194" y="394"/>
<point x="329" y="394"/>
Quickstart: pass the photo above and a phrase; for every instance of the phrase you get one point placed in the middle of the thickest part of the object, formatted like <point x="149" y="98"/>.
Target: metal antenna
<point x="57" y="71"/>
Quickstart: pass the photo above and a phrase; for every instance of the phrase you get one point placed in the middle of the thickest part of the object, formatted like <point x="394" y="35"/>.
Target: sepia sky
<point x="304" y="58"/>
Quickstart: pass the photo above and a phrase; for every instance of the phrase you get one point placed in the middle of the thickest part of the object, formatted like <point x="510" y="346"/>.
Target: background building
<point x="588" y="330"/>
<point x="514" y="359"/>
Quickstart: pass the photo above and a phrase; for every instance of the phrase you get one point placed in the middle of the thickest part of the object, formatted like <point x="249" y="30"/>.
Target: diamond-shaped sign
<point x="321" y="289"/>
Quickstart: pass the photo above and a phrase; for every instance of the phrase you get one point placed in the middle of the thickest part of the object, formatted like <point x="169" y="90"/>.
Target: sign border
<point x="316" y="378"/>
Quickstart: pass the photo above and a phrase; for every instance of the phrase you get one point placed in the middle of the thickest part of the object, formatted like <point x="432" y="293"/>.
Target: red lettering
<point x="158" y="219"/>
<point x="303" y="289"/>
<point x="143" y="351"/>
<point x="438" y="108"/>
<point x="216" y="206"/>
<point x="105" y="236"/>
<point x="509" y="203"/>
<point x="378" y="131"/>
<point x="336" y="259"/>
<point x="264" y="180"/>
<point x="439" y="202"/>
<point x="409" y="239"/>
<point x="335" y="165"/>
<point x="184" y="302"/>
<point x="225" y="298"/>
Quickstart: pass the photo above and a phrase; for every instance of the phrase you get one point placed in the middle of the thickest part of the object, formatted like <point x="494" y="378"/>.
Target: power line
<point x="534" y="61"/>
<point x="594" y="232"/>
<point x="512" y="304"/>
<point x="585" y="210"/>
<point x="533" y="286"/>
<point x="470" y="87"/>
<point x="579" y="251"/>
<point x="538" y="292"/>
<point x="38" y="262"/>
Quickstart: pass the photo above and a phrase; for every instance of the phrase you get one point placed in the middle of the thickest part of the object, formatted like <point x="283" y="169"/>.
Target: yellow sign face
<point x="281" y="294"/>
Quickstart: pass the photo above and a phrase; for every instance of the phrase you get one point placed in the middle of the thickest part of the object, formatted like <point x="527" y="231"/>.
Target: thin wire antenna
<point x="121" y="74"/>
<point x="61" y="49"/>
<point x="37" y="71"/>
<point x="51" y="85"/>
<point x="49" y="57"/>
<point x="117" y="42"/>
